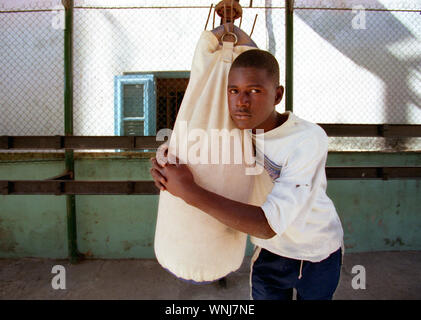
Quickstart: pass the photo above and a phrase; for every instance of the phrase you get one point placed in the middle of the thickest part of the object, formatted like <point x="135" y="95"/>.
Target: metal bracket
<point x="382" y="173"/>
<point x="59" y="188"/>
<point x="59" y="142"/>
<point x="383" y="130"/>
<point x="6" y="142"/>
<point x="59" y="185"/>
<point x="130" y="187"/>
<point x="67" y="3"/>
<point x="67" y="175"/>
<point x="132" y="142"/>
<point x="6" y="187"/>
<point x="290" y="5"/>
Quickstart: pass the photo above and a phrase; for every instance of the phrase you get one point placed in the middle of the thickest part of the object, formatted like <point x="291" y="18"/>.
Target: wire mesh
<point x="117" y="41"/>
<point x="359" y="64"/>
<point x="343" y="73"/>
<point x="31" y="77"/>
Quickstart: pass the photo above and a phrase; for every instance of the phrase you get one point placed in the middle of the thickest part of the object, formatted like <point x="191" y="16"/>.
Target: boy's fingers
<point x="160" y="186"/>
<point x="157" y="167"/>
<point x="157" y="176"/>
<point x="174" y="160"/>
<point x="155" y="162"/>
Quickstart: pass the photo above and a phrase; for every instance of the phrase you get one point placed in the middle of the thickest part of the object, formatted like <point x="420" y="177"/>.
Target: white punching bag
<point x="189" y="243"/>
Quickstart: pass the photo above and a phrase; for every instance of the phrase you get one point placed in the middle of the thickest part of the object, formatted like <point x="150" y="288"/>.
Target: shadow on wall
<point x="377" y="48"/>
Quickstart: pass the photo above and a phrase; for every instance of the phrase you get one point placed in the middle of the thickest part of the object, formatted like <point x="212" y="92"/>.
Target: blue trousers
<point x="273" y="277"/>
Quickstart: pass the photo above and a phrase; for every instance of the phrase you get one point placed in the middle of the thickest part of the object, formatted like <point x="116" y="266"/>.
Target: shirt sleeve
<point x="291" y="193"/>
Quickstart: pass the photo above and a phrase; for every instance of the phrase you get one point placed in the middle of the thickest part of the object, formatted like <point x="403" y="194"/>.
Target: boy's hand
<point x="156" y="174"/>
<point x="175" y="178"/>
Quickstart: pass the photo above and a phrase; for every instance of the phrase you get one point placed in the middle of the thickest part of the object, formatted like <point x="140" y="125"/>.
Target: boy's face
<point x="252" y="96"/>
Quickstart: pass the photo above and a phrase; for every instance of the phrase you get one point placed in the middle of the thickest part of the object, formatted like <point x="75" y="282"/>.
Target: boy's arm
<point x="179" y="181"/>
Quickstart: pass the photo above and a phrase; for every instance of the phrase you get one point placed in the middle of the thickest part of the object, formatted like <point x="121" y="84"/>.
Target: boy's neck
<point x="277" y="120"/>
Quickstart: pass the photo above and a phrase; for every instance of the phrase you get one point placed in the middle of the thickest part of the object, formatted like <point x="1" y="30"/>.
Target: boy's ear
<point x="279" y="94"/>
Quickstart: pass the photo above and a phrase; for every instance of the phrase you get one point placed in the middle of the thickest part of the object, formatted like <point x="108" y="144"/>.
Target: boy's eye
<point x="233" y="91"/>
<point x="255" y="90"/>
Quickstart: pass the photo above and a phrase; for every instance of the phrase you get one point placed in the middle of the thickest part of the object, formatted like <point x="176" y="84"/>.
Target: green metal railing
<point x="289" y="52"/>
<point x="74" y="254"/>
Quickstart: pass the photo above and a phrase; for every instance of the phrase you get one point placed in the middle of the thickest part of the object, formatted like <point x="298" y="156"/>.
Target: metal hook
<point x="226" y="27"/>
<point x="231" y="33"/>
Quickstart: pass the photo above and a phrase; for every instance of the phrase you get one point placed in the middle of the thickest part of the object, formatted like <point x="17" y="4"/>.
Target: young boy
<point x="297" y="230"/>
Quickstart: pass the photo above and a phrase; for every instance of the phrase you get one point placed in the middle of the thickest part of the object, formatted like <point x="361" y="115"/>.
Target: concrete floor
<point x="389" y="275"/>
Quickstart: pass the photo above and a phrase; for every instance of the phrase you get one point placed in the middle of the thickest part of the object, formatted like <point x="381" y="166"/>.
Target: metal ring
<point x="232" y="33"/>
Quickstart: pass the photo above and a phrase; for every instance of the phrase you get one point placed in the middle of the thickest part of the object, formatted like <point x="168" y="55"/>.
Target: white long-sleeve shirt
<point x="298" y="209"/>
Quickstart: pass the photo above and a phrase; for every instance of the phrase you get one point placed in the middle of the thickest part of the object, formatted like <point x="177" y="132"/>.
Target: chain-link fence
<point x="156" y="41"/>
<point x="359" y="63"/>
<point x="31" y="77"/>
<point x="352" y="64"/>
<point x="31" y="64"/>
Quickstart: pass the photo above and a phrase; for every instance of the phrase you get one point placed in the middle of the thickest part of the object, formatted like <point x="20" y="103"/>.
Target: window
<point x="135" y="105"/>
<point x="170" y="93"/>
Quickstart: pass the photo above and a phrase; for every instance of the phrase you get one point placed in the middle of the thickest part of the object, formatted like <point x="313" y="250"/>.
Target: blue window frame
<point x="135" y="105"/>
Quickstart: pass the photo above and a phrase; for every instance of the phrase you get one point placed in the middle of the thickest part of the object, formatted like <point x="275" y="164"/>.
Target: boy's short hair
<point x="259" y="59"/>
